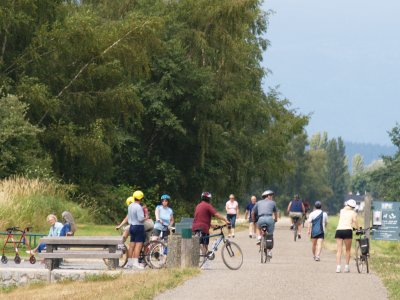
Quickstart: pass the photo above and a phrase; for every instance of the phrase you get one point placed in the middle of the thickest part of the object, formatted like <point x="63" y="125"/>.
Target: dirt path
<point x="292" y="273"/>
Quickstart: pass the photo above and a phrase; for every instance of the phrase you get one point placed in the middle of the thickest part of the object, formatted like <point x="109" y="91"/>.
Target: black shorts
<point x="157" y="232"/>
<point x="319" y="236"/>
<point x="344" y="234"/>
<point x="204" y="237"/>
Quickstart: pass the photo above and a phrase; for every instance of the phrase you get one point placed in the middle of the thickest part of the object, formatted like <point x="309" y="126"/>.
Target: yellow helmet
<point x="138" y="195"/>
<point x="129" y="200"/>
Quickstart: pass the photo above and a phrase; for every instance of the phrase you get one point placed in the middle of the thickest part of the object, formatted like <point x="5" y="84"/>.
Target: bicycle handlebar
<point x="14" y="228"/>
<point x="218" y="227"/>
<point x="361" y="231"/>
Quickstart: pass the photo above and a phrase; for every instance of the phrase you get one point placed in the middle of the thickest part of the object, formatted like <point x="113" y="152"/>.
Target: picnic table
<point x="85" y="247"/>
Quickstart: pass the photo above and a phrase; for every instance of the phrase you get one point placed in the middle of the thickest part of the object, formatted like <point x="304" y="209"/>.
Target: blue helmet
<point x="166" y="197"/>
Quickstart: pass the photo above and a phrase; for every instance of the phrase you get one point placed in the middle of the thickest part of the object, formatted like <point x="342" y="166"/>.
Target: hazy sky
<point x="340" y="61"/>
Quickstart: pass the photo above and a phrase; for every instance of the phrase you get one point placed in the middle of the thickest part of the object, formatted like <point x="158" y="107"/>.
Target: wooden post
<point x="367" y="213"/>
<point x="174" y="251"/>
<point x="190" y="251"/>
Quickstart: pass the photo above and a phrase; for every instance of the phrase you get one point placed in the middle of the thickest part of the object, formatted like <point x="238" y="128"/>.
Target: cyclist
<point x="232" y="212"/>
<point x="296" y="209"/>
<point x="249" y="208"/>
<point x="203" y="213"/>
<point x="136" y="229"/>
<point x="164" y="217"/>
<point x="267" y="214"/>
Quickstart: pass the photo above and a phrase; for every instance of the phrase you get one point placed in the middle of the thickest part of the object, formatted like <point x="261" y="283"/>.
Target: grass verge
<point x="138" y="286"/>
<point x="384" y="258"/>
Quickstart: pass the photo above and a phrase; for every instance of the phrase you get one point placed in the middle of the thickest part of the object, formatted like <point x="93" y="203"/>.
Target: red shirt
<point x="202" y="216"/>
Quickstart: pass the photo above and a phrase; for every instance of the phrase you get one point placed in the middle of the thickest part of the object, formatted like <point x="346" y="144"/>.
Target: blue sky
<point x="340" y="61"/>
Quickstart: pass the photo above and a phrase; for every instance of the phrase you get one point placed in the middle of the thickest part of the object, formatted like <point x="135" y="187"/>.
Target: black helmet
<point x="206" y="196"/>
<point x="317" y="204"/>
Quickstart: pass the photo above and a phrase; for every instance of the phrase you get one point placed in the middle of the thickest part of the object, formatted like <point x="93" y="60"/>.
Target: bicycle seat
<point x="264" y="228"/>
<point x="12" y="228"/>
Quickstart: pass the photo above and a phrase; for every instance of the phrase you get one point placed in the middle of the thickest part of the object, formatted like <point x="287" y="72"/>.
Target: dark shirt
<point x="202" y="216"/>
<point x="249" y="208"/>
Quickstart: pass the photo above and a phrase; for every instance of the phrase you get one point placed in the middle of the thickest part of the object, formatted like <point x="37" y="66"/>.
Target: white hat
<point x="352" y="203"/>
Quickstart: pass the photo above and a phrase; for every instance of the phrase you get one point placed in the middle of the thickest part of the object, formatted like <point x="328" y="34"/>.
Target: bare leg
<point x="130" y="250"/>
<point x="137" y="249"/>
<point x="339" y="245"/>
<point x="314" y="246"/>
<point x="347" y="243"/>
<point x="319" y="246"/>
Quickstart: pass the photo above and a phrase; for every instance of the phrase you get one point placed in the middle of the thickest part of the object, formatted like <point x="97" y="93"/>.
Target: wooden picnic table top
<point x="83" y="240"/>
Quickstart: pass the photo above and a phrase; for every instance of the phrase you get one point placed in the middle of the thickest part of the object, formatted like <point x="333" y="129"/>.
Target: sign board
<point x="386" y="218"/>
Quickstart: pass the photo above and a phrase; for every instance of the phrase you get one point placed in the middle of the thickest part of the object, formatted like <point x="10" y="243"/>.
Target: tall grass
<point x="26" y="202"/>
<point x="384" y="258"/>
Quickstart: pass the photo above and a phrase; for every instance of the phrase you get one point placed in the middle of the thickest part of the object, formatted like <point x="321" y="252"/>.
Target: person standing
<point x="136" y="230"/>
<point x="296" y="209"/>
<point x="249" y="208"/>
<point x="232" y="212"/>
<point x="203" y="213"/>
<point x="317" y="221"/>
<point x="344" y="233"/>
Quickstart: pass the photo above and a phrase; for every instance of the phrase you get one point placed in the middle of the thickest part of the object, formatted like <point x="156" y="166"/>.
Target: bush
<point x="28" y="202"/>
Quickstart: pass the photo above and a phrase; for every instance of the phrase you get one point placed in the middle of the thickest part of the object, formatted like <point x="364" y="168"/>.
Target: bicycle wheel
<point x="122" y="261"/>
<point x="156" y="254"/>
<point x="232" y="255"/>
<point x="263" y="250"/>
<point x="361" y="260"/>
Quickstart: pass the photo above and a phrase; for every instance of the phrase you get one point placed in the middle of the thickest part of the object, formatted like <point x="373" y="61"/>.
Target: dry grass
<point x="139" y="285"/>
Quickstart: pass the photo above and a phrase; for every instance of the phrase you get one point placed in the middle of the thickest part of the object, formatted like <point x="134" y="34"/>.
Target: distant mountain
<point x="369" y="152"/>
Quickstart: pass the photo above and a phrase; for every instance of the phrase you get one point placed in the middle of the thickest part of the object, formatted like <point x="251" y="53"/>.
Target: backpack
<point x="317" y="226"/>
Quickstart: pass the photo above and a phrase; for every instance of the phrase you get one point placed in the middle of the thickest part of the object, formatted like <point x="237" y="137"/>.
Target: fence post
<point x="367" y="213"/>
<point x="174" y="251"/>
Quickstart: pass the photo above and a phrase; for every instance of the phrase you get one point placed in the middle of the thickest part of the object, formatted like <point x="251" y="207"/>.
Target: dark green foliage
<point x="161" y="95"/>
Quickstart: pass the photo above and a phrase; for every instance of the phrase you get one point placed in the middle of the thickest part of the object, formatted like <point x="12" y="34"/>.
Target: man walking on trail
<point x="202" y="222"/>
<point x="317" y="221"/>
<point x="249" y="208"/>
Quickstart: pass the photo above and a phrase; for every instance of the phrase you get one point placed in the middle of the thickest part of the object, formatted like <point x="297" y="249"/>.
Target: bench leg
<point x="49" y="263"/>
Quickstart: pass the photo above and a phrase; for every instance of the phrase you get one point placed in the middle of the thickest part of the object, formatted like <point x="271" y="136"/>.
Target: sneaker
<point x="338" y="269"/>
<point x="299" y="236"/>
<point x="233" y="236"/>
<point x="258" y="242"/>
<point x="269" y="253"/>
<point x="346" y="269"/>
<point x="128" y="267"/>
<point x="313" y="257"/>
<point x="317" y="258"/>
<point x="250" y="236"/>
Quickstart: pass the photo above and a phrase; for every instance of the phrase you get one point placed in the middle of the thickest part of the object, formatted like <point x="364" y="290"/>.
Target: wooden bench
<point x="102" y="247"/>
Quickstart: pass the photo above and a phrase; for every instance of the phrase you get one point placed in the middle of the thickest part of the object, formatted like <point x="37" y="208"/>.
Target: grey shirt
<point x="135" y="214"/>
<point x="265" y="207"/>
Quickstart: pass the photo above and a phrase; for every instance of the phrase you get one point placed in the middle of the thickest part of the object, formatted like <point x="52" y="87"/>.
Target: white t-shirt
<point x="315" y="214"/>
<point x="231" y="207"/>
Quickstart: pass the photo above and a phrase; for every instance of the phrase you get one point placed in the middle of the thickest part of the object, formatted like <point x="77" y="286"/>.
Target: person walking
<point x="344" y="233"/>
<point x="203" y="213"/>
<point x="232" y="213"/>
<point x="317" y="221"/>
<point x="249" y="208"/>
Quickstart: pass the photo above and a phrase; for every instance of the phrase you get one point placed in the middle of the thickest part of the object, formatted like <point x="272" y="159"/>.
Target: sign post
<point x="386" y="217"/>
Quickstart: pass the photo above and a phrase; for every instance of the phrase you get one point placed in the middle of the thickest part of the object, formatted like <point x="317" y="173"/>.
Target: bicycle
<point x="295" y="226"/>
<point x="158" y="249"/>
<point x="266" y="244"/>
<point x="232" y="255"/>
<point x="362" y="250"/>
<point x="17" y="244"/>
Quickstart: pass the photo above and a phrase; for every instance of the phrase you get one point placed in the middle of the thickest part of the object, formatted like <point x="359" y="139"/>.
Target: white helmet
<point x="266" y="193"/>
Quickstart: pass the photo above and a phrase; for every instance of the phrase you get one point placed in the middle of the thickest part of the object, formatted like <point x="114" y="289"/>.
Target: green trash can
<point x="186" y="233"/>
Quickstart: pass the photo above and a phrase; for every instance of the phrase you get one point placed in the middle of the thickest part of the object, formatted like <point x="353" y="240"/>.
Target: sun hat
<point x="352" y="203"/>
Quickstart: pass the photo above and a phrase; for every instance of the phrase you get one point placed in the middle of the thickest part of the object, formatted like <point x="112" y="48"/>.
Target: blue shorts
<point x="231" y="218"/>
<point x="137" y="233"/>
<point x="267" y="220"/>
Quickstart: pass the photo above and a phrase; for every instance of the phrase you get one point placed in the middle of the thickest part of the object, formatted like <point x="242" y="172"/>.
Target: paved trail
<point x="292" y="273"/>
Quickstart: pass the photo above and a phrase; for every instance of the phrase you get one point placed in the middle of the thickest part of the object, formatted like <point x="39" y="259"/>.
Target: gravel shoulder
<point x="292" y="272"/>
